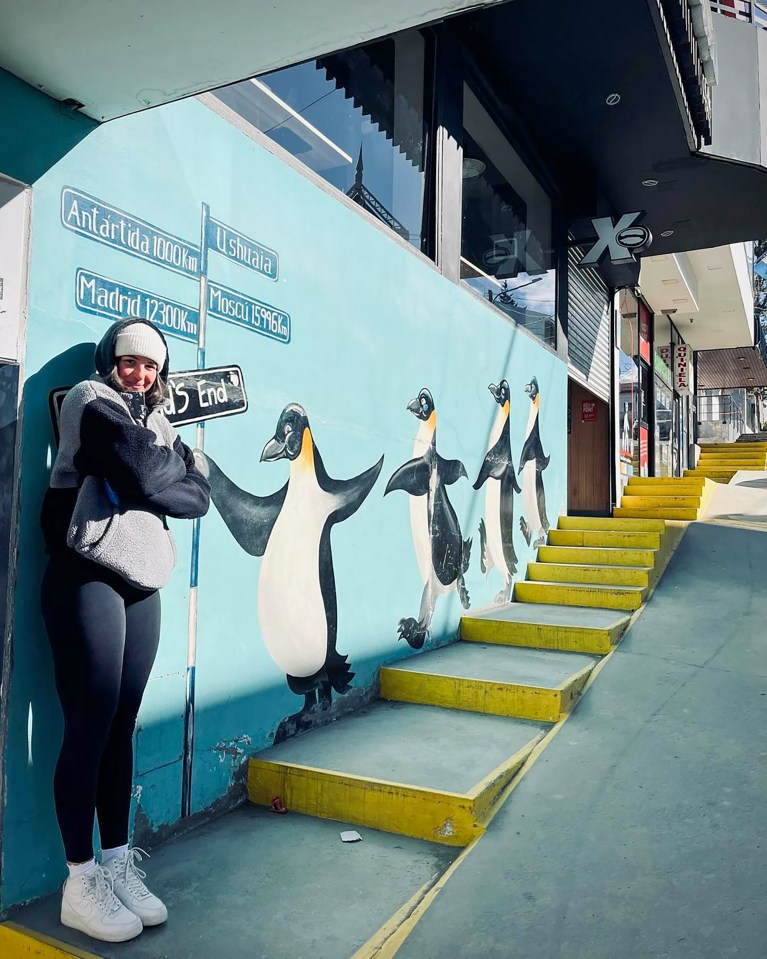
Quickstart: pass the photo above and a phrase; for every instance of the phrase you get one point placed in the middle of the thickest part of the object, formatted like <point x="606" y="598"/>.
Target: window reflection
<point x="356" y="118"/>
<point x="506" y="250"/>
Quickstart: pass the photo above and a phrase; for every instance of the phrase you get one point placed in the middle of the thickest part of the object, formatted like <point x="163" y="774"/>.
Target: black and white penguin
<point x="496" y="529"/>
<point x="297" y="608"/>
<point x="442" y="554"/>
<point x="532" y="463"/>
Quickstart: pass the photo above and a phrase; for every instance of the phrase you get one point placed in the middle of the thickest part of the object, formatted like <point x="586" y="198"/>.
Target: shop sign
<point x="682" y="368"/>
<point x="588" y="411"/>
<point x="621" y="240"/>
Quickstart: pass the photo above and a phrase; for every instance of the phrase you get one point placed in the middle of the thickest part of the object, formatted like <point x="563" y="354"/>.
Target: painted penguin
<point x="296" y="587"/>
<point x="442" y="555"/>
<point x="532" y="463"/>
<point x="496" y="529"/>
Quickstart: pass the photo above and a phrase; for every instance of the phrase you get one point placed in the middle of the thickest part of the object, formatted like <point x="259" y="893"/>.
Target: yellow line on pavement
<point x="18" y="942"/>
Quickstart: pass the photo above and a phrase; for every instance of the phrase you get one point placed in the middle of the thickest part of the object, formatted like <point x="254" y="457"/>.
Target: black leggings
<point x="104" y="636"/>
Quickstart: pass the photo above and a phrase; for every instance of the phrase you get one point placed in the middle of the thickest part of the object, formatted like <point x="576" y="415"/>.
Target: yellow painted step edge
<point x="572" y="639"/>
<point x="18" y="942"/>
<point x="572" y="594"/>
<point x="517" y="700"/>
<point x="431" y="814"/>
<point x="588" y="574"/>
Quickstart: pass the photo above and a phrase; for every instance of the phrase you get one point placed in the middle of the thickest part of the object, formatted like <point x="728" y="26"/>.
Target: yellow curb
<point x="18" y="942"/>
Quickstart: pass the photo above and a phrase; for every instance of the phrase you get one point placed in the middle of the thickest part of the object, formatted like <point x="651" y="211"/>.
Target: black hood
<point x="105" y="351"/>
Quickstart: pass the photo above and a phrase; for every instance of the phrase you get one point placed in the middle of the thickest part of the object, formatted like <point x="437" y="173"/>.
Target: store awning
<point x="597" y="86"/>
<point x="730" y="369"/>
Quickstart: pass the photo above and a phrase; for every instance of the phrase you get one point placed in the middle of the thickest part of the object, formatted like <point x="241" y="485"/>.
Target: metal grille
<point x="588" y="323"/>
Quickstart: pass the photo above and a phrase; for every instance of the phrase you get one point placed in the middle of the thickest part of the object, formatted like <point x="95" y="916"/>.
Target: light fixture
<point x="667" y="233"/>
<point x="729" y="309"/>
<point x="472" y="167"/>
<point x="649" y="182"/>
<point x="679" y="299"/>
<point x="613" y="99"/>
<point x="669" y="282"/>
<point x="741" y="359"/>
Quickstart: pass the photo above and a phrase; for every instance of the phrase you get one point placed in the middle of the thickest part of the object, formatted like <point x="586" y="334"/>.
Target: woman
<point x="103" y="630"/>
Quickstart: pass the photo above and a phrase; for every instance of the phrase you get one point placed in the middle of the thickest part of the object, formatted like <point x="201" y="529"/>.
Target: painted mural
<point x="533" y="522"/>
<point x="296" y="635"/>
<point x="442" y="553"/>
<point x="297" y="609"/>
<point x="496" y="530"/>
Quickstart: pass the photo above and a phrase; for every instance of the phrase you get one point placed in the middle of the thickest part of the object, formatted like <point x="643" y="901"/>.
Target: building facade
<point x="389" y="236"/>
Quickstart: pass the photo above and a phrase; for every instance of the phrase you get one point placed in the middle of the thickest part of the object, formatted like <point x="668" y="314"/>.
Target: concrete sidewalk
<point x="640" y="832"/>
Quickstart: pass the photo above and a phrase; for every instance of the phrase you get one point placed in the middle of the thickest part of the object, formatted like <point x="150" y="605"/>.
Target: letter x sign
<point x="620" y="240"/>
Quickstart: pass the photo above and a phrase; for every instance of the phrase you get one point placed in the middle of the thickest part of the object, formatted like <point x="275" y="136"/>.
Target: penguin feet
<point x="505" y="594"/>
<point x="527" y="531"/>
<point x="339" y="673"/>
<point x="463" y="593"/>
<point x="412" y="632"/>
<point x="541" y="541"/>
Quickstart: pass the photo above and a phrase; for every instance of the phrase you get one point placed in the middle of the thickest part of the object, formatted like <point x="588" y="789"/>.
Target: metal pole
<point x="191" y="653"/>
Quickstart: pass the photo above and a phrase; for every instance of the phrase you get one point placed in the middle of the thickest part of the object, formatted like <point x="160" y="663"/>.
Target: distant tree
<point x="760" y="283"/>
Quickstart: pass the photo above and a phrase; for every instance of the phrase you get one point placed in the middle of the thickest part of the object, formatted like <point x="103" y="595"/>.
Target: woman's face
<point x="137" y="373"/>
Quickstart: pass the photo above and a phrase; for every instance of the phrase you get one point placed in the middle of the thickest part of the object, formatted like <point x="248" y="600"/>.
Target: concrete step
<point x="523" y="683"/>
<point x="594" y="556"/>
<point x="598" y="575"/>
<point x="605" y="538"/>
<point x="660" y="512"/>
<point x="419" y="771"/>
<point x="693" y="488"/>
<point x="609" y="523"/>
<point x="732" y="463"/>
<point x="646" y="501"/>
<point x="546" y="626"/>
<point x="580" y="594"/>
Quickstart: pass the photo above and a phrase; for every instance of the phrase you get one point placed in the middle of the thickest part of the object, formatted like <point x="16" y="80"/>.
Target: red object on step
<point x="277" y="805"/>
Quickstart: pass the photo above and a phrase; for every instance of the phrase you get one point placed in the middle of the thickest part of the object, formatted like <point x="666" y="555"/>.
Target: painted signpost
<point x="198" y="395"/>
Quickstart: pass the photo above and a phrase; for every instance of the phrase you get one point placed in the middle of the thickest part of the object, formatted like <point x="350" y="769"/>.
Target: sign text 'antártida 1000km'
<point x="199" y="395"/>
<point x="99" y="221"/>
<point x="114" y="300"/>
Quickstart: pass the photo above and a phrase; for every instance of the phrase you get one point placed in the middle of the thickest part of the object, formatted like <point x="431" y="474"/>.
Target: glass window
<point x="357" y="119"/>
<point x="630" y="411"/>
<point x="506" y="248"/>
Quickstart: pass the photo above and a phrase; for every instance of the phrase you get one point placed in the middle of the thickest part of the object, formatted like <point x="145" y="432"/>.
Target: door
<point x="588" y="453"/>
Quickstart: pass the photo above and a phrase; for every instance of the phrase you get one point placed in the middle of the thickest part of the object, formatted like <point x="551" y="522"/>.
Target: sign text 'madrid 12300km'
<point x="113" y="300"/>
<point x="106" y="224"/>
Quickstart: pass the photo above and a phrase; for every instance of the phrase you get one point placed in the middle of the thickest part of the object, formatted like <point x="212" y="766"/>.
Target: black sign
<point x="195" y="395"/>
<point x="199" y="395"/>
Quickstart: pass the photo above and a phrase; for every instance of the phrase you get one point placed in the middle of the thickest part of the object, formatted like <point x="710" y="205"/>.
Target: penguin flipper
<point x="493" y="467"/>
<point x="413" y="477"/>
<point x="450" y="471"/>
<point x="508" y="485"/>
<point x="248" y="518"/>
<point x="540" y="495"/>
<point x="446" y="542"/>
<point x="485" y="557"/>
<point x="349" y="494"/>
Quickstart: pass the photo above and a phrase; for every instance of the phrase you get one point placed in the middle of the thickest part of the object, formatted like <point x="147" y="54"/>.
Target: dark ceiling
<point x="553" y="65"/>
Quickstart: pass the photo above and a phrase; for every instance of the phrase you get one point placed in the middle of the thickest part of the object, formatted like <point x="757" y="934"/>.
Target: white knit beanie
<point x="140" y="339"/>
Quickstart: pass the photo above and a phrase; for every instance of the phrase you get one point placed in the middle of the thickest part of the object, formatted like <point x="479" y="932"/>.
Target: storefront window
<point x="506" y="238"/>
<point x="630" y="393"/>
<point x="664" y="462"/>
<point x="357" y="119"/>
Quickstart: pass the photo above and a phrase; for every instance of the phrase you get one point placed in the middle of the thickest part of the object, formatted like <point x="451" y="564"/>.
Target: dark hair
<point x="157" y="394"/>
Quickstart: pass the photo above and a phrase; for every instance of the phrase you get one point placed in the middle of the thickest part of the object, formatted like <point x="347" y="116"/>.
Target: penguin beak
<point x="496" y="391"/>
<point x="274" y="450"/>
<point x="414" y="406"/>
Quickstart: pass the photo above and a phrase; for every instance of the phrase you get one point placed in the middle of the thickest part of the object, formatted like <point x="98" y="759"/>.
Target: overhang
<point x="556" y="67"/>
<point x="116" y="58"/>
<point x="707" y="293"/>
<point x="731" y="369"/>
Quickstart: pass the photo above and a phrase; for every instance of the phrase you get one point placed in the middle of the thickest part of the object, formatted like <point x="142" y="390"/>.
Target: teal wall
<point x="372" y="323"/>
<point x="37" y="131"/>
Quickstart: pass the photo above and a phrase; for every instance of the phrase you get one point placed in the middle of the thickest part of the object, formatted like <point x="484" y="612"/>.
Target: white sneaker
<point x="89" y="904"/>
<point x="130" y="889"/>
